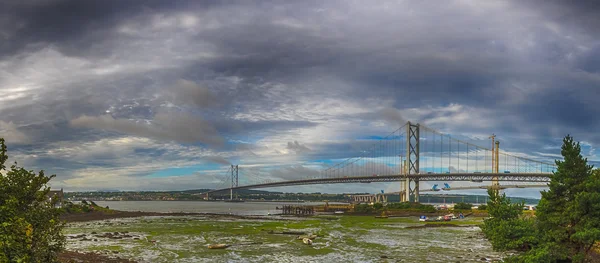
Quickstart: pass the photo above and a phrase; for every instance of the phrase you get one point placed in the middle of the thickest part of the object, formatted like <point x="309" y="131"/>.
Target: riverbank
<point x="77" y="257"/>
<point x="113" y="214"/>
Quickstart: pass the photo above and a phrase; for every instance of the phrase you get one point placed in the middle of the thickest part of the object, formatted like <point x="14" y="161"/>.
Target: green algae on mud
<point x="340" y="238"/>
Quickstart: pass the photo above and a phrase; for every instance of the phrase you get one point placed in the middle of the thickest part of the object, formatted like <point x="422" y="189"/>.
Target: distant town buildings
<point x="56" y="195"/>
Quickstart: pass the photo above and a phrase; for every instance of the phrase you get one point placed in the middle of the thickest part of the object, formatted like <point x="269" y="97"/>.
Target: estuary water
<point x="218" y="207"/>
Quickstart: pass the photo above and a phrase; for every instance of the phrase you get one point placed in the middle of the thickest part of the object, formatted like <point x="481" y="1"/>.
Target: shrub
<point x="463" y="206"/>
<point x="30" y="229"/>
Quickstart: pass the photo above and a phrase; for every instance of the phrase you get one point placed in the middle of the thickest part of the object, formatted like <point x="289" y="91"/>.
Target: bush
<point x="411" y="206"/>
<point x="363" y="208"/>
<point x="377" y="206"/>
<point x="463" y="206"/>
<point x="31" y="230"/>
<point x="482" y="207"/>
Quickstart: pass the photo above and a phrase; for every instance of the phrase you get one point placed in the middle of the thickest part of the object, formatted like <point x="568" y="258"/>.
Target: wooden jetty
<point x="297" y="210"/>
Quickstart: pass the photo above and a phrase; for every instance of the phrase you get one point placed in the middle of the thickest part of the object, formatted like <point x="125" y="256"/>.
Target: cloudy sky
<point x="165" y="95"/>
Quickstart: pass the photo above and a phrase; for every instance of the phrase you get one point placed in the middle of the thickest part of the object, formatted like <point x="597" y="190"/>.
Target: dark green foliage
<point x="377" y="206"/>
<point x="569" y="213"/>
<point x="30" y="230"/>
<point x="463" y="206"/>
<point x="505" y="228"/>
<point x="83" y="207"/>
<point x="482" y="207"/>
<point x="411" y="206"/>
<point x="567" y="222"/>
<point x="363" y="208"/>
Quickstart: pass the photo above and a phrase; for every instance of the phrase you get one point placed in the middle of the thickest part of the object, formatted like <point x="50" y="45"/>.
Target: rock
<point x="384" y="256"/>
<point x="483" y="259"/>
<point x="93" y="233"/>
<point x="95" y="240"/>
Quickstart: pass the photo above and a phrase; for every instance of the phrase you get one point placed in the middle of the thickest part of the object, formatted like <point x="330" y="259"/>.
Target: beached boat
<point x="218" y="246"/>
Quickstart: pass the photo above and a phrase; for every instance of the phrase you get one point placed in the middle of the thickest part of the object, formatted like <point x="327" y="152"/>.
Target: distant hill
<point x="243" y="191"/>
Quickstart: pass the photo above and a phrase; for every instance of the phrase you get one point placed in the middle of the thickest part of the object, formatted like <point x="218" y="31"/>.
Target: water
<point x="245" y="208"/>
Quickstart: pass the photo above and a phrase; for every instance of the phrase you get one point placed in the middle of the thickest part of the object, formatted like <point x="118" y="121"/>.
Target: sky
<point x="166" y="95"/>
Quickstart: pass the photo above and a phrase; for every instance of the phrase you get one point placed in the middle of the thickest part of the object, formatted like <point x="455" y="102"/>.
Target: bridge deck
<point x="476" y="177"/>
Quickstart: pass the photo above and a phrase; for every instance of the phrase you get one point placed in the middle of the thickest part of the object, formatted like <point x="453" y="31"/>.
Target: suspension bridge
<point x="412" y="154"/>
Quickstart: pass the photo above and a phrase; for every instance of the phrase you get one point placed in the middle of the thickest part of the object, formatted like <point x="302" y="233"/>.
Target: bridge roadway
<point x="449" y="177"/>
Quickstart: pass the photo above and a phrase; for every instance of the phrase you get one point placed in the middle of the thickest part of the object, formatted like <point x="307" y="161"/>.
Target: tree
<point x="568" y="214"/>
<point x="30" y="229"/>
<point x="482" y="207"/>
<point x="505" y="228"/>
<point x="567" y="222"/>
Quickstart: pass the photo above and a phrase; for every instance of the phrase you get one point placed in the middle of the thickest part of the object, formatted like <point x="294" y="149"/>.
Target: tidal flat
<point x="342" y="238"/>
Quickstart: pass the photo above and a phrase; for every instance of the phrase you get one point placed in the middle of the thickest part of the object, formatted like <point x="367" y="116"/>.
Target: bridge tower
<point x="234" y="180"/>
<point x="496" y="161"/>
<point x="412" y="162"/>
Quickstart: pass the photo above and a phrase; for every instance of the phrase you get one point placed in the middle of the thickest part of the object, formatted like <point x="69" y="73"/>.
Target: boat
<point x="218" y="246"/>
<point x="423" y="218"/>
<point x="338" y="212"/>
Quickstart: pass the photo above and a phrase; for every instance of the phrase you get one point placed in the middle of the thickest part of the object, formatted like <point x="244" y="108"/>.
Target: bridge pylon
<point x="412" y="163"/>
<point x="496" y="160"/>
<point x="234" y="180"/>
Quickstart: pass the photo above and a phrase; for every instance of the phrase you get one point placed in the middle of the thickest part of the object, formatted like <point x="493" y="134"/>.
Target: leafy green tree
<point x="30" y="230"/>
<point x="567" y="222"/>
<point x="505" y="228"/>
<point x="482" y="207"/>
<point x="568" y="214"/>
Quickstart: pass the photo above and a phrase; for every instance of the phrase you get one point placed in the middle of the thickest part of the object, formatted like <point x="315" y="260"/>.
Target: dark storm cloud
<point x="252" y="69"/>
<point x="72" y="25"/>
<point x="181" y="128"/>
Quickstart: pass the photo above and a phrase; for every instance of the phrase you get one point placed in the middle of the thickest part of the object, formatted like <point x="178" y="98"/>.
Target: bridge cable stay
<point x="384" y="161"/>
<point x="223" y="181"/>
<point x="521" y="164"/>
<point x="374" y="160"/>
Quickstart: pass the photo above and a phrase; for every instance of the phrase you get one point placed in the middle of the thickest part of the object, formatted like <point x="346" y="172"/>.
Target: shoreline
<point x="115" y="214"/>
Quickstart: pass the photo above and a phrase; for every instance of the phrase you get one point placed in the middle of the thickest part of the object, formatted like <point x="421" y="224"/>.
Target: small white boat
<point x="338" y="212"/>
